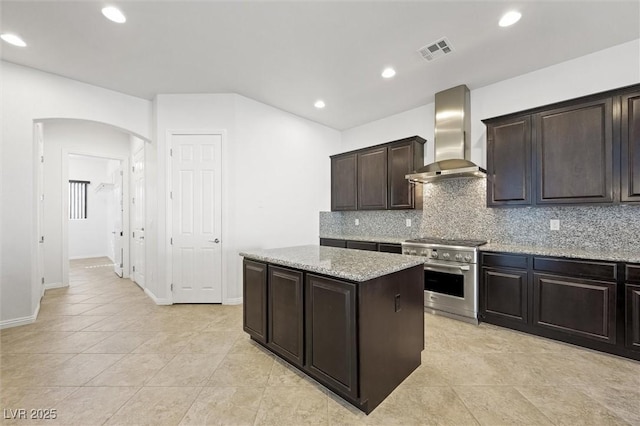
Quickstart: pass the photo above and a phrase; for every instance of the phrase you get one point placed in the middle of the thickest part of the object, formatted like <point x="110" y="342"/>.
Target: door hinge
<point x="134" y="234"/>
<point x="133" y="200"/>
<point x="42" y="158"/>
<point x="171" y="195"/>
<point x="171" y="286"/>
<point x="42" y="281"/>
<point x="171" y="241"/>
<point x="171" y="152"/>
<point x="133" y="168"/>
<point x="134" y="269"/>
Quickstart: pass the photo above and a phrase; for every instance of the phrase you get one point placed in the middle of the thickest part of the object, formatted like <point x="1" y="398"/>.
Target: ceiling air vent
<point x="435" y="50"/>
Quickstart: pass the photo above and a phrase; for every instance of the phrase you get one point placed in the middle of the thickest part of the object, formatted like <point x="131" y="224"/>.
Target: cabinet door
<point x="372" y="179"/>
<point x="630" y="154"/>
<point x="509" y="162"/>
<point x="577" y="307"/>
<point x="362" y="245"/>
<point x="401" y="161"/>
<point x="503" y="295"/>
<point x="254" y="307"/>
<point x="331" y="351"/>
<point x="344" y="182"/>
<point x="574" y="147"/>
<point x="632" y="296"/>
<point x="285" y="314"/>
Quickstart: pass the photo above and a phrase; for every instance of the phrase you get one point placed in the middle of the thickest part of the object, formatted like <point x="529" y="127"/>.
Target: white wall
<point x="276" y="175"/>
<point x="29" y="95"/>
<point x="77" y="137"/>
<point x="611" y="68"/>
<point x="91" y="237"/>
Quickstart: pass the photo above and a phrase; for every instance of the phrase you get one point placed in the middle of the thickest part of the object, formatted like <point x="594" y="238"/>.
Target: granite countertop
<point x="388" y="240"/>
<point x="353" y="265"/>
<point x="592" y="254"/>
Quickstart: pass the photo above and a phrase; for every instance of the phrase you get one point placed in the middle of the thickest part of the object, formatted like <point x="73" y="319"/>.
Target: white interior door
<point x="118" y="246"/>
<point x="196" y="218"/>
<point x="40" y="191"/>
<point x="138" y="202"/>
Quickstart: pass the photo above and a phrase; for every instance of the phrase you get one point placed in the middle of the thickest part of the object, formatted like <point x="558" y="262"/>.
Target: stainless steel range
<point x="450" y="275"/>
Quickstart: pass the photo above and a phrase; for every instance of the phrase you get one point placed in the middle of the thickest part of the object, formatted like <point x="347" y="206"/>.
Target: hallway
<point x="101" y="352"/>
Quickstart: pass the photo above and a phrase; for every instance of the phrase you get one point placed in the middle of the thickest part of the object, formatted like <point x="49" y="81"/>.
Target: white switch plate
<point x="357" y="221"/>
<point x="408" y="222"/>
<point x="554" y="224"/>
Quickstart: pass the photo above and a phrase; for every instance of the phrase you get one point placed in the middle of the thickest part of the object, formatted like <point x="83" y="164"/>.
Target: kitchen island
<point x="350" y="319"/>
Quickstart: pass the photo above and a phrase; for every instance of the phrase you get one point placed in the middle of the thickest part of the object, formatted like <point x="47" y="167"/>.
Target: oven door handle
<point x="440" y="266"/>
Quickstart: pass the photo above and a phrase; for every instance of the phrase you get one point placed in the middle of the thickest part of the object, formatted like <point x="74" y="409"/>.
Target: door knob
<point x="214" y="241"/>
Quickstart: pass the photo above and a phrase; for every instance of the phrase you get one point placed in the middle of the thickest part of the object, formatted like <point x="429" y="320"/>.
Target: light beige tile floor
<point x="102" y="353"/>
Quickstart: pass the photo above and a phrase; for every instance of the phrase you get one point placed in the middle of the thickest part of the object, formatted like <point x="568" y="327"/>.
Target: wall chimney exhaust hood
<point x="452" y="150"/>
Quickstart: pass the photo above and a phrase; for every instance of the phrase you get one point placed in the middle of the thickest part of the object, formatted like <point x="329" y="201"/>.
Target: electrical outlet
<point x="554" y="224"/>
<point x="408" y="222"/>
<point x="357" y="222"/>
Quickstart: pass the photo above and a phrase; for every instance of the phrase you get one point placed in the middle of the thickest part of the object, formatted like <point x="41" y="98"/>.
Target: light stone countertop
<point x="348" y="264"/>
<point x="589" y="254"/>
<point x="387" y="240"/>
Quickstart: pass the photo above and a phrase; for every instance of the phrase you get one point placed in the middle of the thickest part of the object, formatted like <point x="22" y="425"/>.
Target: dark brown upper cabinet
<point x="574" y="154"/>
<point x="509" y="161"/>
<point x="374" y="178"/>
<point x="581" y="151"/>
<point x="630" y="147"/>
<point x="344" y="182"/>
<point x="404" y="157"/>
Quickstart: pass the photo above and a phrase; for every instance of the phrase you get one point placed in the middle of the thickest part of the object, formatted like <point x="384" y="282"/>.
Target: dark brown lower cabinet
<point x="633" y="316"/>
<point x="331" y="332"/>
<point x="578" y="307"/>
<point x="359" y="339"/>
<point x="594" y="304"/>
<point x="286" y="313"/>
<point x="504" y="295"/>
<point x="254" y="288"/>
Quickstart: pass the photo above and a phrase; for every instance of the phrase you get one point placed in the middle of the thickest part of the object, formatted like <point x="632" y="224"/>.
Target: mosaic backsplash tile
<point x="456" y="208"/>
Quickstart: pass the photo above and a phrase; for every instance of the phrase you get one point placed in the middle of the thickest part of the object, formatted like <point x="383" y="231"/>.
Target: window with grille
<point x="78" y="199"/>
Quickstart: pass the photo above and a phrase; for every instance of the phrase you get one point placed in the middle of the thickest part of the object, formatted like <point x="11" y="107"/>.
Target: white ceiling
<point x="288" y="54"/>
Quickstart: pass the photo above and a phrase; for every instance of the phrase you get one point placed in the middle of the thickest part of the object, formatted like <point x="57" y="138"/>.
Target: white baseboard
<point x="89" y="256"/>
<point x="49" y="286"/>
<point x="157" y="300"/>
<point x="232" y="301"/>
<point x="15" y="322"/>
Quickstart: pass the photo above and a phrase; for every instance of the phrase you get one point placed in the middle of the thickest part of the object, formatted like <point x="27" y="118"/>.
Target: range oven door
<point x="451" y="287"/>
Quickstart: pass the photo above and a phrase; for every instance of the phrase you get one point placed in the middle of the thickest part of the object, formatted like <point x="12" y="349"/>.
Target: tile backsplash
<point x="456" y="208"/>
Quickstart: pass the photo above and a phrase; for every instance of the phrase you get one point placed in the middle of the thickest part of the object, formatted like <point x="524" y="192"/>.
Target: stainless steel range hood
<point x="452" y="150"/>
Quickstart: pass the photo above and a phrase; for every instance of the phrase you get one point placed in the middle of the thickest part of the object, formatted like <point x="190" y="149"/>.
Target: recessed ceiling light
<point x="319" y="104"/>
<point x="13" y="39"/>
<point x="388" y="72"/>
<point x="509" y="18"/>
<point x="114" y="14"/>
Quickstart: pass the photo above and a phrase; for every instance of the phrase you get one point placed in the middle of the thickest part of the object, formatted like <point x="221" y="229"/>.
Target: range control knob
<point x="467" y="258"/>
<point x="445" y="256"/>
<point x="459" y="257"/>
<point x="434" y="254"/>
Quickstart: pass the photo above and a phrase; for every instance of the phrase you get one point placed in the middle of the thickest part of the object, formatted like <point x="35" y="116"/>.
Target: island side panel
<point x="391" y="332"/>
<point x="254" y="308"/>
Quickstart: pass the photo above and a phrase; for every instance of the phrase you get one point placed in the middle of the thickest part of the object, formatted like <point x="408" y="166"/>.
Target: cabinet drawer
<point x="574" y="306"/>
<point x="632" y="273"/>
<point x="362" y="245"/>
<point x="390" y="248"/>
<point x="505" y="260"/>
<point x="578" y="268"/>
<point x="330" y="242"/>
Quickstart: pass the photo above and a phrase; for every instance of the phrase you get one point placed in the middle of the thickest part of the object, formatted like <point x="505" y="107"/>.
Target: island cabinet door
<point x="331" y="333"/>
<point x="633" y="316"/>
<point x="286" y="314"/>
<point x="254" y="308"/>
